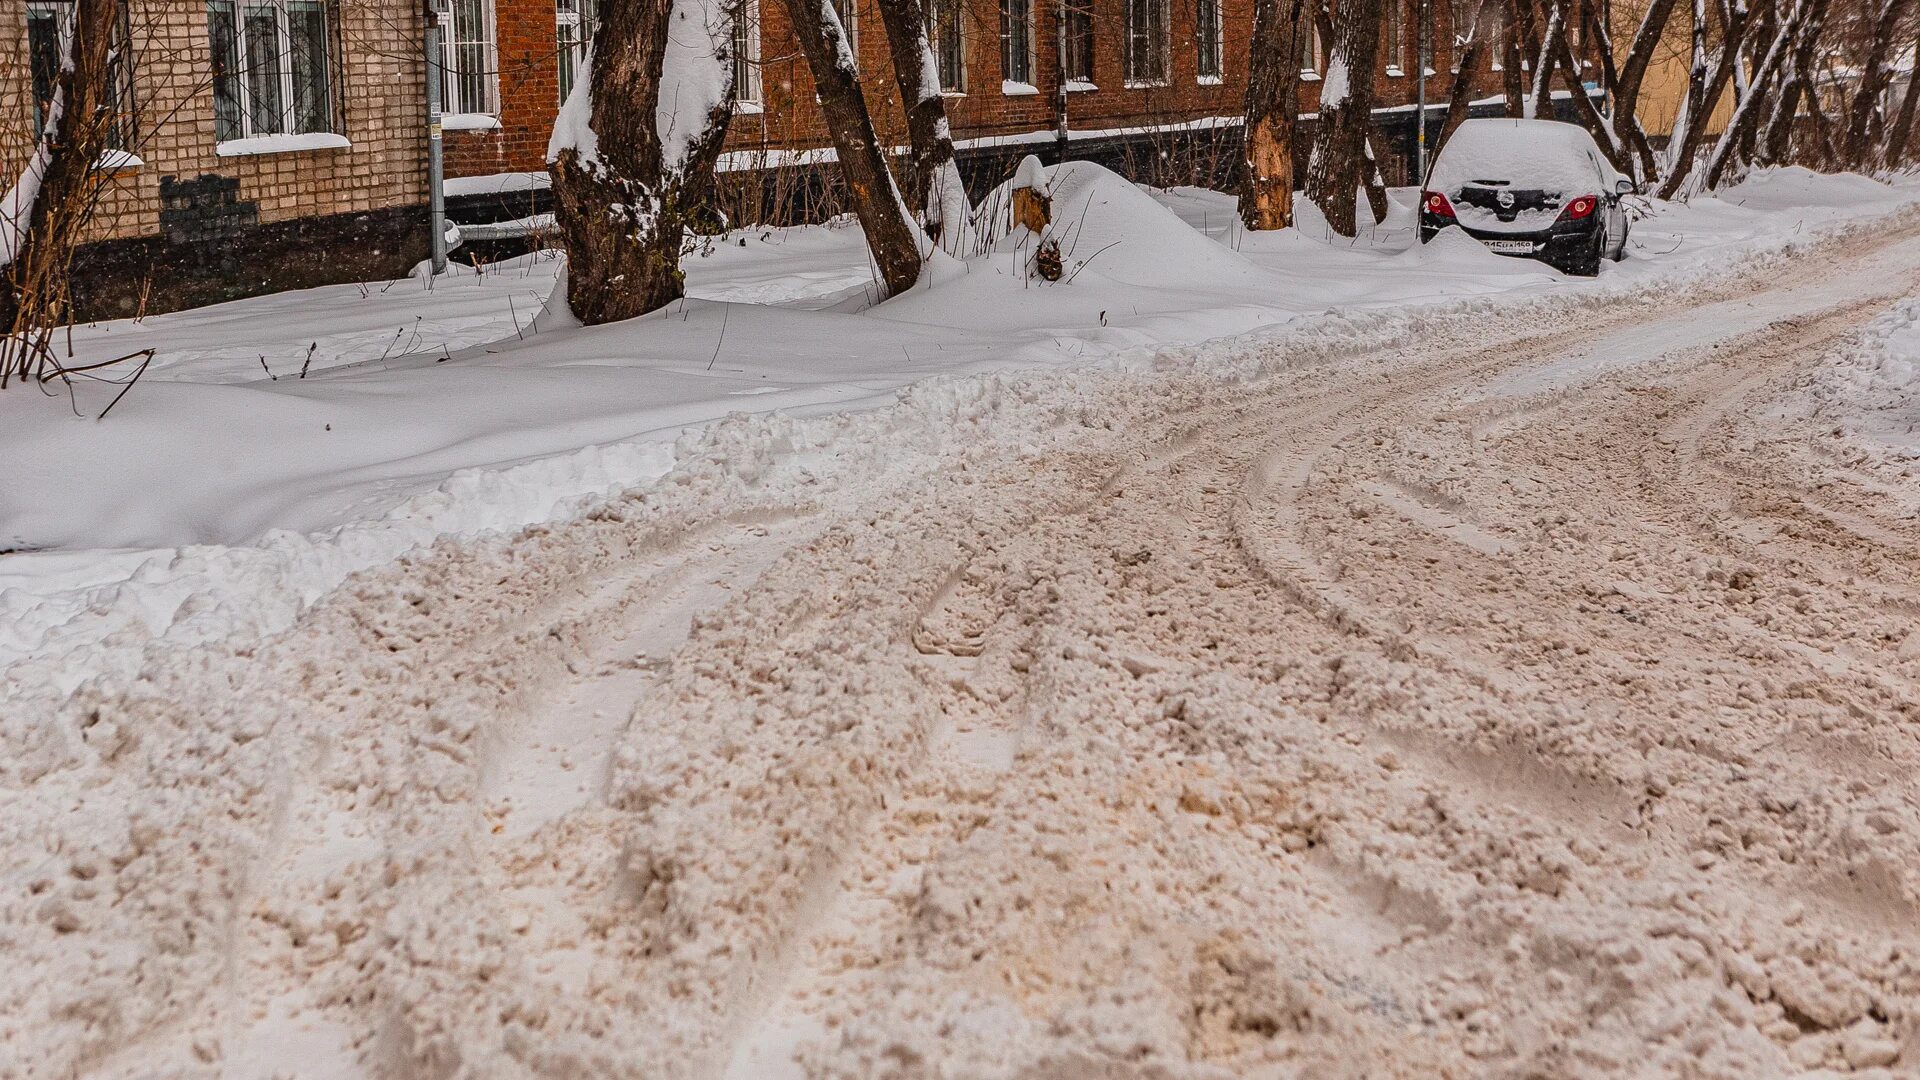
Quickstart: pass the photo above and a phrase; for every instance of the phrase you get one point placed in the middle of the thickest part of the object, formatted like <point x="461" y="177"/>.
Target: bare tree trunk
<point x="1712" y="82"/>
<point x="54" y="198"/>
<point x="1460" y="101"/>
<point x="1583" y="108"/>
<point x="1337" y="166"/>
<point x="1512" y="82"/>
<point x="1874" y="76"/>
<point x="892" y="238"/>
<point x="1747" y="116"/>
<point x="1632" y="76"/>
<point x="1540" y="101"/>
<point x="1903" y="126"/>
<point x="626" y="179"/>
<point x="1273" y="79"/>
<point x="932" y="179"/>
<point x="1376" y="181"/>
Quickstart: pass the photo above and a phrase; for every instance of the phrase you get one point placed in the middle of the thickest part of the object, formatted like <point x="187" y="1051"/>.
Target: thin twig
<point x="123" y="391"/>
<point x="725" y="313"/>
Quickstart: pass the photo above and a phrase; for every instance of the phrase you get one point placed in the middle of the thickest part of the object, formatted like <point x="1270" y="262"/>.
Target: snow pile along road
<point x="1513" y="688"/>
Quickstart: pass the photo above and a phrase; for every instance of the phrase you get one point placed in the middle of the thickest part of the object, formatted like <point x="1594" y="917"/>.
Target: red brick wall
<point x="529" y="95"/>
<point x="529" y="92"/>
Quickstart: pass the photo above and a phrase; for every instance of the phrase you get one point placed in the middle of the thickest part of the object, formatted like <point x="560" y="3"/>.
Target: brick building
<point x="282" y="143"/>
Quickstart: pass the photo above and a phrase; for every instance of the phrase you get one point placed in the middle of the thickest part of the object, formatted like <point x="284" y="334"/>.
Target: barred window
<point x="1395" y="38"/>
<point x="1206" y="40"/>
<point x="1146" y="59"/>
<point x="1080" y="41"/>
<point x="949" y="46"/>
<point x="467" y="83"/>
<point x="746" y="54"/>
<point x="1016" y="41"/>
<point x="573" y="25"/>
<point x="271" y="73"/>
<point x="849" y="13"/>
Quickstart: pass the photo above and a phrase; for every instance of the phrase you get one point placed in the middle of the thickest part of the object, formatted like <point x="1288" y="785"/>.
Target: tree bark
<point x="1338" y="163"/>
<point x="892" y="238"/>
<point x="69" y="186"/>
<point x="1512" y="81"/>
<point x="625" y="192"/>
<point x="1583" y="108"/>
<point x="1273" y="80"/>
<point x="1874" y="76"/>
<point x="1460" y="101"/>
<point x="1765" y="76"/>
<point x="1712" y="82"/>
<point x="931" y="177"/>
<point x="1903" y="125"/>
<point x="1540" y="101"/>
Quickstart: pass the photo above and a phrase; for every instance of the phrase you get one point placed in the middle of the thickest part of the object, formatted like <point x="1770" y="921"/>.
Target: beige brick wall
<point x="380" y="106"/>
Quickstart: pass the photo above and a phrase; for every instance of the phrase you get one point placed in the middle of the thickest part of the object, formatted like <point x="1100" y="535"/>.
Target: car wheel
<point x="1620" y="250"/>
<point x="1587" y="263"/>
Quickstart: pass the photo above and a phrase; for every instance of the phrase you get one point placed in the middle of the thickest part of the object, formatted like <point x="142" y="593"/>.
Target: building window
<point x="1146" y="60"/>
<point x="271" y="73"/>
<point x="949" y="46"/>
<point x="849" y="14"/>
<point x="1497" y="40"/>
<point x="573" y="25"/>
<point x="1396" y="42"/>
<point x="746" y="56"/>
<point x="1206" y="40"/>
<point x="466" y="56"/>
<point x="1016" y="41"/>
<point x="44" y="20"/>
<point x="1309" y="46"/>
<point x="1080" y="42"/>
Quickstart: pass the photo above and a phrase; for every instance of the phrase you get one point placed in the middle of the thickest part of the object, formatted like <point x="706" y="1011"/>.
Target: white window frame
<point x="488" y="104"/>
<point x="1395" y="30"/>
<point x="941" y="27"/>
<point x="1162" y="44"/>
<point x="746" y="66"/>
<point x="573" y="25"/>
<point x="1024" y="79"/>
<point x="1214" y="77"/>
<point x="243" y="85"/>
<point x="1311" y="73"/>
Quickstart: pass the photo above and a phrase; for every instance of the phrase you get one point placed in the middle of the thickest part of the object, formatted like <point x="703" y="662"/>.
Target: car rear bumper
<point x="1562" y="242"/>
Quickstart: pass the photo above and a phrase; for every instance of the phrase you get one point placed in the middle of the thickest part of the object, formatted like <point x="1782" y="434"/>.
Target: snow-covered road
<point x="1527" y="693"/>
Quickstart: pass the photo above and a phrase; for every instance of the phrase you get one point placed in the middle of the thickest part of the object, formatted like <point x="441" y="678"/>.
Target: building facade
<point x="283" y="143"/>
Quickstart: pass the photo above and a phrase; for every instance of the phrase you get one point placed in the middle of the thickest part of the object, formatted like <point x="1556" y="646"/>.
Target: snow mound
<point x="1792" y="186"/>
<point x="1871" y="392"/>
<point x="1543" y="154"/>
<point x="1454" y="251"/>
<point x="1114" y="230"/>
<point x="1394" y="232"/>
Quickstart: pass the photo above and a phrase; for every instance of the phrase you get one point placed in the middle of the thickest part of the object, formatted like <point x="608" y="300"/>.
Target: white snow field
<point x="1257" y="656"/>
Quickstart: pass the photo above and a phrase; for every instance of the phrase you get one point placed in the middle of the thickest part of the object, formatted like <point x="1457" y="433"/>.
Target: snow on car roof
<point x="1544" y="154"/>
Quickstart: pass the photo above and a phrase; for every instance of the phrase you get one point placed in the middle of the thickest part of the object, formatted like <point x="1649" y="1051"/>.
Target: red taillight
<point x="1436" y="204"/>
<point x="1581" y="207"/>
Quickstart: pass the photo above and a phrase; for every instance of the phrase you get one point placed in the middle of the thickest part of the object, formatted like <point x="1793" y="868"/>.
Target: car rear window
<point x="1523" y="154"/>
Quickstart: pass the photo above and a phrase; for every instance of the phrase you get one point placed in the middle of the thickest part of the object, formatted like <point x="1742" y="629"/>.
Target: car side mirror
<point x="1623" y="186"/>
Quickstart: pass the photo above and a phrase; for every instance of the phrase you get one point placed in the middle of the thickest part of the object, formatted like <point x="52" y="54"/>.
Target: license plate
<point x="1524" y="247"/>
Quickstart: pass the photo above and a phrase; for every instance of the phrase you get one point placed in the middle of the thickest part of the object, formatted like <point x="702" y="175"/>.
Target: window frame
<point x="1202" y="40"/>
<point x="1158" y="36"/>
<point x="949" y="32"/>
<point x="747" y="89"/>
<point x="1026" y="56"/>
<point x="243" y="123"/>
<point x="1394" y="33"/>
<point x="574" y="23"/>
<point x="450" y="70"/>
<point x="1310" y="52"/>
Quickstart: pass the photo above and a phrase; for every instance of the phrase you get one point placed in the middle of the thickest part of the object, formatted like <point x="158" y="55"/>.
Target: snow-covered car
<point x="1532" y="188"/>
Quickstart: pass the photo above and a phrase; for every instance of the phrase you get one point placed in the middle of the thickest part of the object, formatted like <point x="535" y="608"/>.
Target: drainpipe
<point x="1060" y="80"/>
<point x="436" y="173"/>
<point x="1420" y="49"/>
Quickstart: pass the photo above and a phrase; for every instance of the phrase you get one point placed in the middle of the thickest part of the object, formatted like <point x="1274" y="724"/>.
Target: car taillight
<point x="1581" y="207"/>
<point x="1436" y="204"/>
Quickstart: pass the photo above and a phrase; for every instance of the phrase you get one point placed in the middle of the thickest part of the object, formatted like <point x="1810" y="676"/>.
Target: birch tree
<point x="633" y="151"/>
<point x="44" y="214"/>
<point x="932" y="179"/>
<point x="1338" y="163"/>
<point x="1761" y="82"/>
<point x="1706" y="81"/>
<point x="893" y="239"/>
<point x="1903" y="126"/>
<point x="1875" y="73"/>
<point x="1273" y="80"/>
